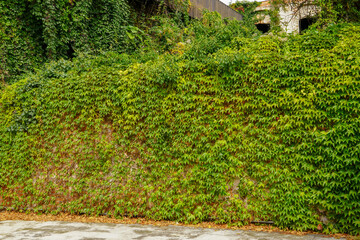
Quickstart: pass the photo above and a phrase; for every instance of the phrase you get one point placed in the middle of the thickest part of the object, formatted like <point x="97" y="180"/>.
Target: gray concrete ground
<point x="30" y="230"/>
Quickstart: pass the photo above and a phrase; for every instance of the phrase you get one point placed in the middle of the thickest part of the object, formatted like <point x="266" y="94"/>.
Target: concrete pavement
<point x="31" y="230"/>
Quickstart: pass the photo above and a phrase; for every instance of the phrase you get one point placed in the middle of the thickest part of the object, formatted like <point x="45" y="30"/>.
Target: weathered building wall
<point x="290" y="18"/>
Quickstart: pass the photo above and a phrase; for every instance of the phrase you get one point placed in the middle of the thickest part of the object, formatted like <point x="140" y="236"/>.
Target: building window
<point x="305" y="23"/>
<point x="262" y="27"/>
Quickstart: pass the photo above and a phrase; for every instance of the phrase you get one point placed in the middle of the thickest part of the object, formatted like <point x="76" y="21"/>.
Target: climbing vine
<point x="246" y="129"/>
<point x="34" y="32"/>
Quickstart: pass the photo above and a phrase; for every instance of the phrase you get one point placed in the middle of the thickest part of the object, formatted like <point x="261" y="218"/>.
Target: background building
<point x="295" y="16"/>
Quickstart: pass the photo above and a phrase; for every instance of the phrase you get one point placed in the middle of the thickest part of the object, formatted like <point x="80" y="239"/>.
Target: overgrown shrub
<point x="258" y="129"/>
<point x="211" y="33"/>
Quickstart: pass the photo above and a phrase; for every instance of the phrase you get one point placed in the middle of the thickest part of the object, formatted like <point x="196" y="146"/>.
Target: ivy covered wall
<point x="262" y="128"/>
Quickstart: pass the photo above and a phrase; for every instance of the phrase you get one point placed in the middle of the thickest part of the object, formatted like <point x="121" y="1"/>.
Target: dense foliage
<point x="247" y="10"/>
<point x="223" y="127"/>
<point x="34" y="32"/>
